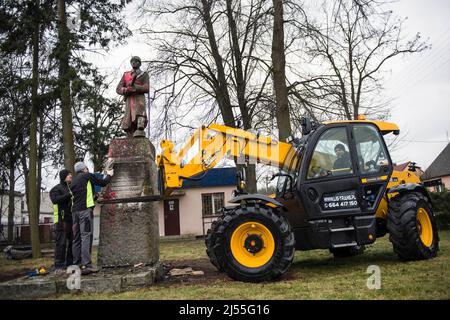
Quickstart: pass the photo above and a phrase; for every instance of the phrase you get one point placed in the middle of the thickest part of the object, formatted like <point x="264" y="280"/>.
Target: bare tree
<point x="207" y="58"/>
<point x="350" y="43"/>
<point x="279" y="72"/>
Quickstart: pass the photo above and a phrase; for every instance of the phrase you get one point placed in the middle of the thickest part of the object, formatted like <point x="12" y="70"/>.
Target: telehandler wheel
<point x="210" y="241"/>
<point x="412" y="227"/>
<point x="252" y="243"/>
<point x="348" y="251"/>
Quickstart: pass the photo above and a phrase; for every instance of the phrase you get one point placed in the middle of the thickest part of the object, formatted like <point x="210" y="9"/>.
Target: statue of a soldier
<point x="133" y="86"/>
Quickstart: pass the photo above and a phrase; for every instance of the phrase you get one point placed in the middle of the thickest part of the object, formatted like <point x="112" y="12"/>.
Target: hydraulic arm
<point x="211" y="144"/>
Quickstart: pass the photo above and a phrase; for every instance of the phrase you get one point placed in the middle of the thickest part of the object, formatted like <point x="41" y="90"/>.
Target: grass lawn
<point x="313" y="275"/>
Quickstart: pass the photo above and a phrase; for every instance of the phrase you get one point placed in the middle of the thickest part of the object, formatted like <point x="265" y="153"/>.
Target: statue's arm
<point x="121" y="86"/>
<point x="145" y="87"/>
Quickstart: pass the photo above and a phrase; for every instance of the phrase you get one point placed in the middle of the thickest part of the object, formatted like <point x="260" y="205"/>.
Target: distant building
<point x="21" y="217"/>
<point x="45" y="210"/>
<point x="437" y="175"/>
<point x="191" y="209"/>
<point x="405" y="167"/>
<point x="4" y="208"/>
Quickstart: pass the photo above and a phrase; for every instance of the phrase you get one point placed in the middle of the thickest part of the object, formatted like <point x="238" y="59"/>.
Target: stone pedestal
<point x="129" y="231"/>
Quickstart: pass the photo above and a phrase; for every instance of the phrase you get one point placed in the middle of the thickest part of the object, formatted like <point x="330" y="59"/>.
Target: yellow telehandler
<point x="336" y="190"/>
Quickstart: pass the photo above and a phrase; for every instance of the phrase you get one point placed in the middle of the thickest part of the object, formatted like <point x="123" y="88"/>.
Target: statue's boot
<point x="140" y="127"/>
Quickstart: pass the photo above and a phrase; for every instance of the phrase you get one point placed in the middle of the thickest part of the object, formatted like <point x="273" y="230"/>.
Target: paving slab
<point x="107" y="280"/>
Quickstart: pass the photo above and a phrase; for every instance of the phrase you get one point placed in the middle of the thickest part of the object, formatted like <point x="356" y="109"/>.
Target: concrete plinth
<point x="129" y="231"/>
<point x="105" y="281"/>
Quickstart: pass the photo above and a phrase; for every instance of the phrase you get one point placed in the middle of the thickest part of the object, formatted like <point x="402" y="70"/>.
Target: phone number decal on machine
<point x="340" y="200"/>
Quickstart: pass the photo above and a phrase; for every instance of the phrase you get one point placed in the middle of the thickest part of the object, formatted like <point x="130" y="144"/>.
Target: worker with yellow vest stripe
<point x="61" y="197"/>
<point x="82" y="213"/>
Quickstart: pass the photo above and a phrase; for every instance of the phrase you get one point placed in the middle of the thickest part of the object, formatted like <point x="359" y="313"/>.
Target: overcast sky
<point x="420" y="83"/>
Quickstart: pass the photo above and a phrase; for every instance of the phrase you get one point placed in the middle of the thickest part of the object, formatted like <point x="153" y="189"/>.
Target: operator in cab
<point x="342" y="164"/>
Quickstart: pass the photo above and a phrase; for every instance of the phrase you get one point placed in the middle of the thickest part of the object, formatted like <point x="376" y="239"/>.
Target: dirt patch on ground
<point x="21" y="270"/>
<point x="210" y="272"/>
<point x="11" y="275"/>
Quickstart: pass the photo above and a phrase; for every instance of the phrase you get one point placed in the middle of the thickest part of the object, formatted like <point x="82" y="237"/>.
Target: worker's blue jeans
<point x="83" y="227"/>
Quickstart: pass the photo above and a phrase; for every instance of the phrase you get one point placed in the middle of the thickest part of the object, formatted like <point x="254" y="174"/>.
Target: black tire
<point x="219" y="238"/>
<point x="404" y="233"/>
<point x="211" y="238"/>
<point x="348" y="251"/>
<point x="209" y="241"/>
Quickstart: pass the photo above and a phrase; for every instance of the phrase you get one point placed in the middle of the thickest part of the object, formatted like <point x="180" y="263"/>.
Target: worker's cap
<point x="79" y="166"/>
<point x="63" y="174"/>
<point x="135" y="58"/>
<point x="339" y="146"/>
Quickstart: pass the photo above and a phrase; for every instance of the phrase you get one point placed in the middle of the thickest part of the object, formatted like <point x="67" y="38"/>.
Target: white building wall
<point x="191" y="222"/>
<point x="46" y="209"/>
<point x="17" y="209"/>
<point x="446" y="181"/>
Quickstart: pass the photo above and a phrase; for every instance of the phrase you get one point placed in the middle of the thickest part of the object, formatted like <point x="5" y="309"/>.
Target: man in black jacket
<point x="342" y="165"/>
<point x="61" y="197"/>
<point x="83" y="217"/>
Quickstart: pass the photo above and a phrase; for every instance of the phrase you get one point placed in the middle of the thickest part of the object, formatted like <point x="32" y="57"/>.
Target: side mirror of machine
<point x="306" y="125"/>
<point x="291" y="179"/>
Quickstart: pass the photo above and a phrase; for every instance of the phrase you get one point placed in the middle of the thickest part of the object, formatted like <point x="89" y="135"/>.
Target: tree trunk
<point x="279" y="73"/>
<point x="39" y="160"/>
<point x="222" y="95"/>
<point x="238" y="70"/>
<point x="11" y="203"/>
<point x="23" y="159"/>
<point x="64" y="85"/>
<point x="32" y="183"/>
<point x="250" y="169"/>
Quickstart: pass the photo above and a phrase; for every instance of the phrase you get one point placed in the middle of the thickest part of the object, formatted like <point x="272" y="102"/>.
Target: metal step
<point x="350" y="228"/>
<point x="344" y="245"/>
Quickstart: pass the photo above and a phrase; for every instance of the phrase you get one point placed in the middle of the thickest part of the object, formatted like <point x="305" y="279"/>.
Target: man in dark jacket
<point x="342" y="164"/>
<point x="83" y="217"/>
<point x="61" y="197"/>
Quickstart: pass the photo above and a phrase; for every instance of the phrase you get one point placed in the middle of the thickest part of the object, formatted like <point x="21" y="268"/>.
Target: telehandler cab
<point x="336" y="190"/>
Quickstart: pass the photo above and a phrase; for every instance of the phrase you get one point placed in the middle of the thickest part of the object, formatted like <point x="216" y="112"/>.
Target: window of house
<point x="439" y="188"/>
<point x="212" y="203"/>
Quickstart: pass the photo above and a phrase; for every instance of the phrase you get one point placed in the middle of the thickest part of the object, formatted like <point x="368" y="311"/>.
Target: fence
<point x="22" y="234"/>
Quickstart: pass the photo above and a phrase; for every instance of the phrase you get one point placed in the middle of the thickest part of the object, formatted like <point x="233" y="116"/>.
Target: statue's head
<point x="135" y="62"/>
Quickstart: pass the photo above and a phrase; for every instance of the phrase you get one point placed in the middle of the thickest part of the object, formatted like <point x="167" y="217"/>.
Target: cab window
<point x="331" y="155"/>
<point x="370" y="149"/>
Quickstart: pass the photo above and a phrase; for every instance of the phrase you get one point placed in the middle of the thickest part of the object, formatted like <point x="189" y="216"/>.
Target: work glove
<point x="110" y="172"/>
